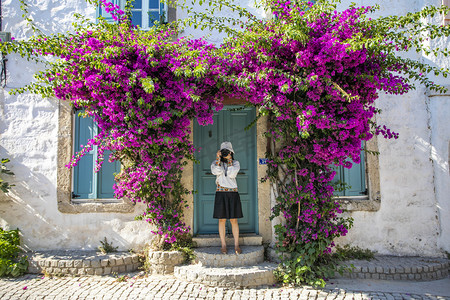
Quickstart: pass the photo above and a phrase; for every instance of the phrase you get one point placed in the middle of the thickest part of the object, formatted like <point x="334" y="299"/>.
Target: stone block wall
<point x="163" y="262"/>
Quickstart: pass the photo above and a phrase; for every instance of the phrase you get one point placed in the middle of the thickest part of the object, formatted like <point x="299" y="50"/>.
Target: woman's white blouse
<point x="228" y="181"/>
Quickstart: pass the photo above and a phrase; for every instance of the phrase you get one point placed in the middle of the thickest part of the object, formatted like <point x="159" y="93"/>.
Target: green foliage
<point x="185" y="244"/>
<point x="348" y="252"/>
<point x="4" y="185"/>
<point x="303" y="269"/>
<point x="10" y="262"/>
<point x="106" y="247"/>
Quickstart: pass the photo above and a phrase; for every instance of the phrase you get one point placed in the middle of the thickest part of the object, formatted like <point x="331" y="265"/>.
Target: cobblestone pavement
<point x="167" y="287"/>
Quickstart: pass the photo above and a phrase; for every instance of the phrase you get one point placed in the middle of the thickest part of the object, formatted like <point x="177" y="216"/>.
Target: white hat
<point x="226" y="145"/>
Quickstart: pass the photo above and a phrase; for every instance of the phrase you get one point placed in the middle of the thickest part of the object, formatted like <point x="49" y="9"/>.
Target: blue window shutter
<point x="355" y="178"/>
<point x="338" y="178"/>
<point x="84" y="180"/>
<point x="106" y="177"/>
<point x="102" y="12"/>
<point x="86" y="183"/>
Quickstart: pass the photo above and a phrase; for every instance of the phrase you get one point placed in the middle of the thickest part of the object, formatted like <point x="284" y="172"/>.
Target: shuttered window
<point x="354" y="178"/>
<point x="144" y="13"/>
<point x="86" y="183"/>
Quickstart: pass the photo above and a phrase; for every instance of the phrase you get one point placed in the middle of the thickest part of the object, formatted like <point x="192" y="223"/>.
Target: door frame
<point x="255" y="171"/>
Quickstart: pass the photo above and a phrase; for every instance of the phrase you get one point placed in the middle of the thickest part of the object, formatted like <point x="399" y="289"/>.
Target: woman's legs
<point x="222" y="232"/>
<point x="235" y="229"/>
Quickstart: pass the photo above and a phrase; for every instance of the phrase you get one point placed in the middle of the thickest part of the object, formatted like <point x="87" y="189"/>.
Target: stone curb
<point x="231" y="277"/>
<point x="398" y="268"/>
<point x="77" y="263"/>
<point x="212" y="257"/>
<point x="385" y="267"/>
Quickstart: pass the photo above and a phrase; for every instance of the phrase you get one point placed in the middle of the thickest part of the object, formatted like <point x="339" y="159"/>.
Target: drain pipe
<point x="5" y="37"/>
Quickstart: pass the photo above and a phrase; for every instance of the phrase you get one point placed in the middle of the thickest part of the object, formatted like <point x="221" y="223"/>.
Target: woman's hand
<point x="218" y="155"/>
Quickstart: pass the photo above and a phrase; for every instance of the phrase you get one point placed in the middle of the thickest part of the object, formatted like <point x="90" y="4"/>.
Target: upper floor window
<point x="144" y="13"/>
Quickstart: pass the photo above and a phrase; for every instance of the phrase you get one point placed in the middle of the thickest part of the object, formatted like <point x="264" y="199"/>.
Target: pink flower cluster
<point x="143" y="89"/>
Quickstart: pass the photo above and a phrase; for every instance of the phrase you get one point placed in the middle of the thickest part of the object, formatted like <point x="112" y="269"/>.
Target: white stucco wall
<point x="215" y="36"/>
<point x="414" y="212"/>
<point x="413" y="219"/>
<point x="28" y="136"/>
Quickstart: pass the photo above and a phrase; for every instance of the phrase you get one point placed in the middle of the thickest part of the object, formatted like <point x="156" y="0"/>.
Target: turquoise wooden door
<point x="229" y="126"/>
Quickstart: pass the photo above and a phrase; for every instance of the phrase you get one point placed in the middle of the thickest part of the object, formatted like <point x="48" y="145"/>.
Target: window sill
<point x="77" y="206"/>
<point x="358" y="203"/>
<point x="100" y="201"/>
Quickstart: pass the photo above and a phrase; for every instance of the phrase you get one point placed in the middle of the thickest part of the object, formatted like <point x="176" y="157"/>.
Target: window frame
<point x="163" y="10"/>
<point x="64" y="179"/>
<point x="364" y="193"/>
<point x="372" y="200"/>
<point x="96" y="175"/>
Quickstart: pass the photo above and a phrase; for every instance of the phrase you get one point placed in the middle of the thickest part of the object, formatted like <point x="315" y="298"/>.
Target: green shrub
<point x="4" y="185"/>
<point x="10" y="262"/>
<point x="106" y="247"/>
<point x="348" y="252"/>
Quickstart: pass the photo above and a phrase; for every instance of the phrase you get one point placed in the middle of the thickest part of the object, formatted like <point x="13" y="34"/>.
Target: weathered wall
<point x="29" y="135"/>
<point x="414" y="212"/>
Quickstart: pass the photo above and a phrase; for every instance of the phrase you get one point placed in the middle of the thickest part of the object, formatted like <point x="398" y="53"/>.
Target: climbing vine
<point x="316" y="72"/>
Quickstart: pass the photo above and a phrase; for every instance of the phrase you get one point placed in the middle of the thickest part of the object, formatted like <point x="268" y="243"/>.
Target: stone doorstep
<point x="212" y="257"/>
<point x="213" y="240"/>
<point x="82" y="262"/>
<point x="232" y="277"/>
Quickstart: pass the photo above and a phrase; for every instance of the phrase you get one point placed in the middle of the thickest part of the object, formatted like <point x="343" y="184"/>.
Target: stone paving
<point x="138" y="286"/>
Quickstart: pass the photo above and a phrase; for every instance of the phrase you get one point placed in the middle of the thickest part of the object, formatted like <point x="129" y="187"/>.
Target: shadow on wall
<point x="31" y="206"/>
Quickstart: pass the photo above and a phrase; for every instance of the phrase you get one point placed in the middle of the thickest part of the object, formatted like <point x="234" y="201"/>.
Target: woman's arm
<point x="216" y="168"/>
<point x="233" y="169"/>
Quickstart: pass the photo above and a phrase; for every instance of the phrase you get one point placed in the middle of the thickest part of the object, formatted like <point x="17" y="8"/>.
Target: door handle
<point x="241" y="173"/>
<point x="209" y="173"/>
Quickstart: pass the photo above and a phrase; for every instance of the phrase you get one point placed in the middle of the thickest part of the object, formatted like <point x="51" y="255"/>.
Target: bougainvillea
<point x="143" y="91"/>
<point x="315" y="71"/>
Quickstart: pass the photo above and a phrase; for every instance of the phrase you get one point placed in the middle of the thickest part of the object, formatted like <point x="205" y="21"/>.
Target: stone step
<point x="212" y="257"/>
<point x="232" y="277"/>
<point x="399" y="268"/>
<point x="213" y="240"/>
<point x="79" y="262"/>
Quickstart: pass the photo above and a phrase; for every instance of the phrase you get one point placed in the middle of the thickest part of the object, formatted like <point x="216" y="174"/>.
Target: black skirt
<point x="227" y="205"/>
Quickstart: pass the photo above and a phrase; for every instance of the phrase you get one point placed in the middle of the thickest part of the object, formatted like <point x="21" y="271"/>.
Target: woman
<point x="227" y="203"/>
